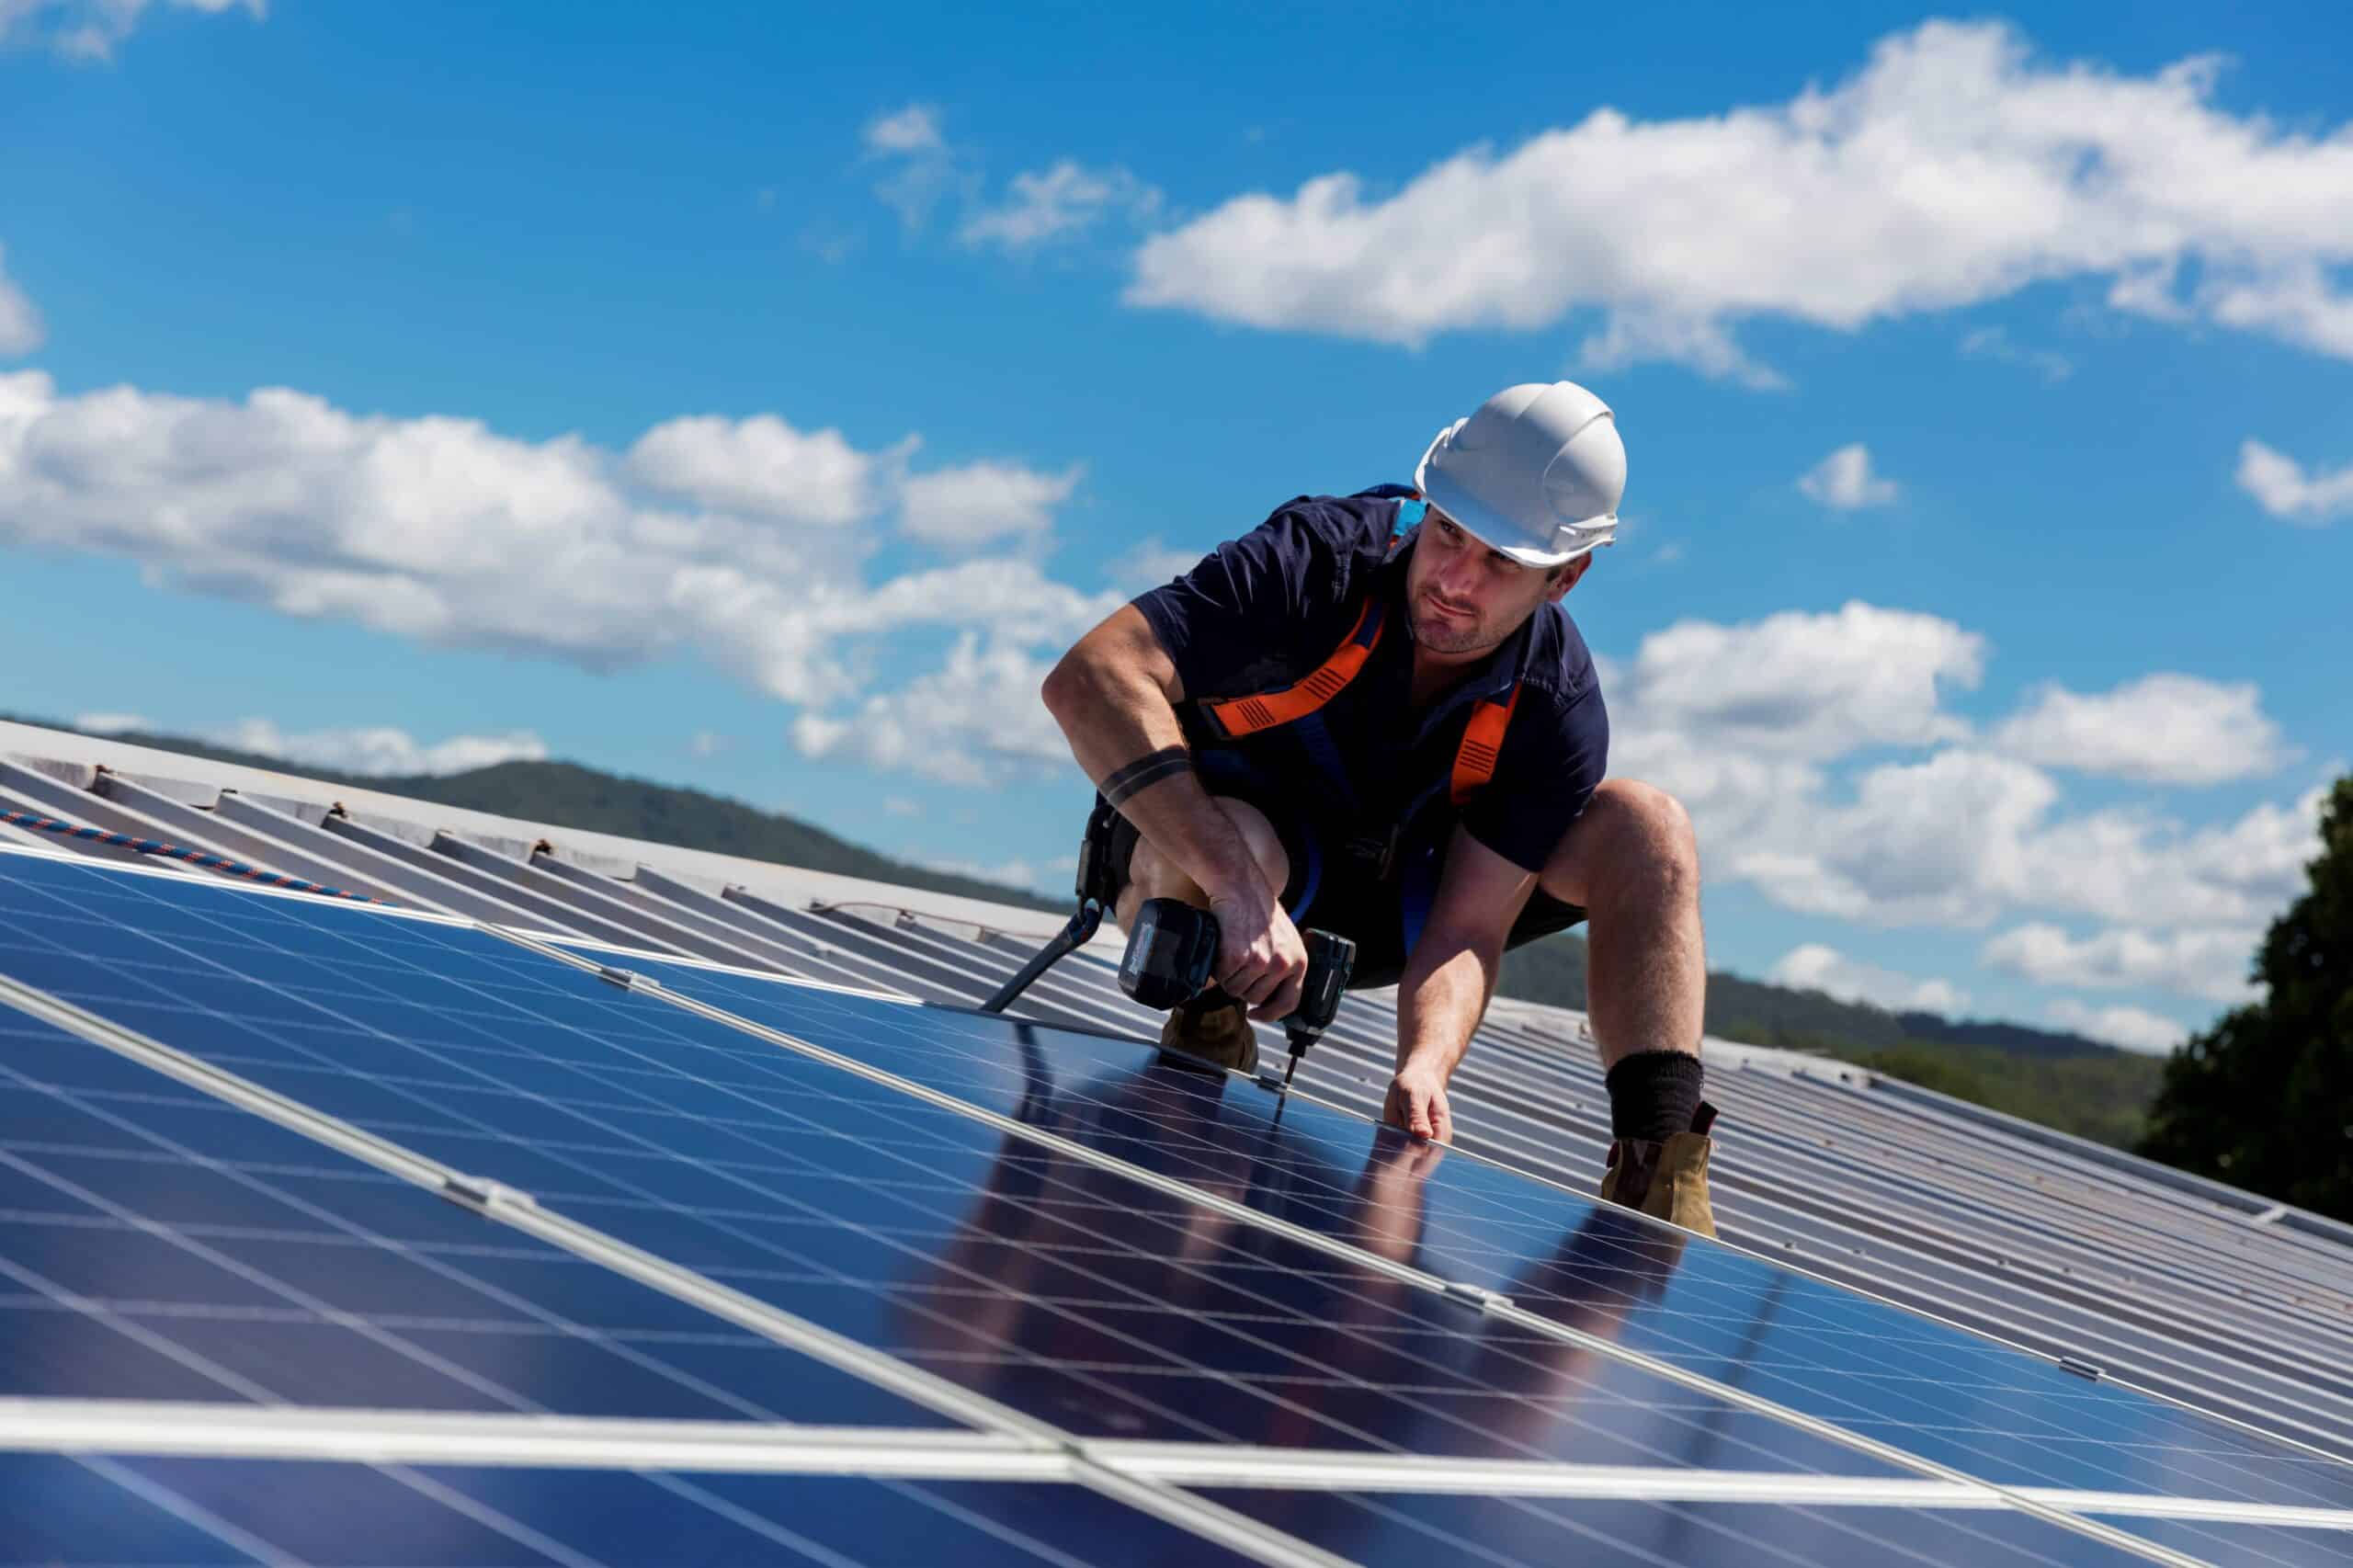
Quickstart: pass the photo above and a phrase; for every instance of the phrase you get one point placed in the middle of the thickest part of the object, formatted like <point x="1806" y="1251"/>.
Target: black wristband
<point x="1146" y="771"/>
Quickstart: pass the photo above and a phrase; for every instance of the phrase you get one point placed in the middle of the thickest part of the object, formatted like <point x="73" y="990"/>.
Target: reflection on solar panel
<point x="1100" y="1307"/>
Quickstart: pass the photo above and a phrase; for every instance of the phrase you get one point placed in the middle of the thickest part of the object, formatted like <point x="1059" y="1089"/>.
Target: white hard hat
<point x="1537" y="472"/>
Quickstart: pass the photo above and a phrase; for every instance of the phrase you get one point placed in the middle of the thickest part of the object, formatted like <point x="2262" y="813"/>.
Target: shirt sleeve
<point x="1259" y="611"/>
<point x="1544" y="778"/>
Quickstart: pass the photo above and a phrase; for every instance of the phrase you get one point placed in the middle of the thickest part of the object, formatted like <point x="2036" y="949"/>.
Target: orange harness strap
<point x="1248" y="715"/>
<point x="1482" y="739"/>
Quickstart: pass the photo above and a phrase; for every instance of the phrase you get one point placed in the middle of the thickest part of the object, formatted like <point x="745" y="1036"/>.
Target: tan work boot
<point x="1220" y="1035"/>
<point x="1666" y="1180"/>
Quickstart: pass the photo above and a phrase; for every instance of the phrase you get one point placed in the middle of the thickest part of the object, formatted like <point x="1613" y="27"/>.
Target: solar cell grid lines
<point x="113" y="1510"/>
<point x="160" y="1244"/>
<point x="1107" y="1246"/>
<point x="1043" y="1282"/>
<point x="1950" y="1395"/>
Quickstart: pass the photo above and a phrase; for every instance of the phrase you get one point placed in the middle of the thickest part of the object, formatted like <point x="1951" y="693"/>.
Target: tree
<point x="2264" y="1100"/>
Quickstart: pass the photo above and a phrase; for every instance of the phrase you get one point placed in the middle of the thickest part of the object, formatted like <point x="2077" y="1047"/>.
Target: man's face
<point x="1465" y="597"/>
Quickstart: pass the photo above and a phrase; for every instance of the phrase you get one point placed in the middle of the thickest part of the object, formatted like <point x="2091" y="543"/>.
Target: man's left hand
<point x="1416" y="1103"/>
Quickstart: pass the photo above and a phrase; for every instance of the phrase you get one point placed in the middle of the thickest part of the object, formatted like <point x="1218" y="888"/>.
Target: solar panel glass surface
<point x="158" y="1243"/>
<point x="1059" y="1288"/>
<point x="481" y="1053"/>
<point x="1936" y="1391"/>
<point x="2248" y="1545"/>
<point x="1412" y="1530"/>
<point x="76" y="1513"/>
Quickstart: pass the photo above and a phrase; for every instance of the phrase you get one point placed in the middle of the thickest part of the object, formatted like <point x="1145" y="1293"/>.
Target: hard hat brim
<point x="1494" y="531"/>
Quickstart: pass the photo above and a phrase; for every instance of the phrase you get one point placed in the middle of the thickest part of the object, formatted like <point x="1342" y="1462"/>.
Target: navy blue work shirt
<point x="1265" y="611"/>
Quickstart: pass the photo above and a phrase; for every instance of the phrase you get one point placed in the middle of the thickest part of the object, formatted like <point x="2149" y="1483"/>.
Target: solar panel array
<point x="698" y="1225"/>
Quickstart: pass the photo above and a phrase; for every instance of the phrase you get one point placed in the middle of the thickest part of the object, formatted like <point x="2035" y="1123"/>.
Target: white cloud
<point x="1800" y="686"/>
<point x="441" y="531"/>
<point x="378" y="750"/>
<point x="1951" y="169"/>
<point x="708" y="743"/>
<point x="1995" y="343"/>
<point x="112" y="723"/>
<point x="1963" y="837"/>
<point x="923" y="168"/>
<point x="1813" y="967"/>
<point x="90" y="30"/>
<point x="21" y="330"/>
<point x="1059" y="203"/>
<point x="763" y="466"/>
<point x="2282" y="488"/>
<point x="2298" y="302"/>
<point x="900" y="806"/>
<point x="983" y="502"/>
<point x="2161" y="729"/>
<point x="1743" y="724"/>
<point x="975" y="720"/>
<point x="2211" y="963"/>
<point x="2129" y="1029"/>
<point x="914" y="129"/>
<point x="1051" y="876"/>
<point x="1844" y="479"/>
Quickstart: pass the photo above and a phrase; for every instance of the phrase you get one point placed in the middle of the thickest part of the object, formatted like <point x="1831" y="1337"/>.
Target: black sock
<point x="1654" y="1094"/>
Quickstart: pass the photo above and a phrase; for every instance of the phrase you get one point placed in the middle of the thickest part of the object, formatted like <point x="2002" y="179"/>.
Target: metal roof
<point x="2124" y="1269"/>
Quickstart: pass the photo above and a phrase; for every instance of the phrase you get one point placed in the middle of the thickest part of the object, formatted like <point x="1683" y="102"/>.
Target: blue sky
<point x="761" y="400"/>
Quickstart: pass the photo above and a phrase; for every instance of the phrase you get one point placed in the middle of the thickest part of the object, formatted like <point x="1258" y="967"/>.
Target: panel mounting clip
<point x="2081" y="1368"/>
<point x="1479" y="1296"/>
<point x="627" y="978"/>
<point x="482" y="1195"/>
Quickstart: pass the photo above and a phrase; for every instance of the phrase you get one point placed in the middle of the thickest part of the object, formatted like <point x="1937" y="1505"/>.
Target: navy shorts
<point x="1338" y="893"/>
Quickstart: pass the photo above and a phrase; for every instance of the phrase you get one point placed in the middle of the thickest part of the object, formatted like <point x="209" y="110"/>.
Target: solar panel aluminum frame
<point x="184" y="1429"/>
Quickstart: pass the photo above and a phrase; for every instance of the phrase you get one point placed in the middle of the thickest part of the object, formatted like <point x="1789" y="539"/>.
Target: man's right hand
<point x="1260" y="958"/>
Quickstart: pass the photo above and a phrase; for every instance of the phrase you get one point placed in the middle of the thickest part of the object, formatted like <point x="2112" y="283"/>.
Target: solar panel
<point x="1412" y="1530"/>
<point x="1146" y="1254"/>
<point x="1052" y="1285"/>
<point x="1947" y="1395"/>
<point x="107" y="1509"/>
<point x="159" y="1245"/>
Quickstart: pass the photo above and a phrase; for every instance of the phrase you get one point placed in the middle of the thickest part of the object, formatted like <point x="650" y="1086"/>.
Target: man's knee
<point x="1152" y="875"/>
<point x="1632" y="833"/>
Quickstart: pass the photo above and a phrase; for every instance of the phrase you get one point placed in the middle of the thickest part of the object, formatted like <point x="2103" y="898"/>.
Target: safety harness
<point x="1475" y="759"/>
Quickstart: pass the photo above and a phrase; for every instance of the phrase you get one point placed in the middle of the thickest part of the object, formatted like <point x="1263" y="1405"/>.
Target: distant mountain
<point x="2018" y="1038"/>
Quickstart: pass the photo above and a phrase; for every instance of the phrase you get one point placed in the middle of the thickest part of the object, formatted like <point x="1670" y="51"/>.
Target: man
<point x="1373" y="714"/>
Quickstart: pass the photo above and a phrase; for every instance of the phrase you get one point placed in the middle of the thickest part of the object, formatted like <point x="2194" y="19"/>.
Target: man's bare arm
<point x="1115" y="696"/>
<point x="1450" y="978"/>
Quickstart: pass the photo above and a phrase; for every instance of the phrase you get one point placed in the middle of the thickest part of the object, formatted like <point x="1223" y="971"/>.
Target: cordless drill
<point x="1172" y="958"/>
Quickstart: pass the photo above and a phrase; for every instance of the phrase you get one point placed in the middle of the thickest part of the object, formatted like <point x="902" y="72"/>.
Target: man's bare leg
<point x="1632" y="864"/>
